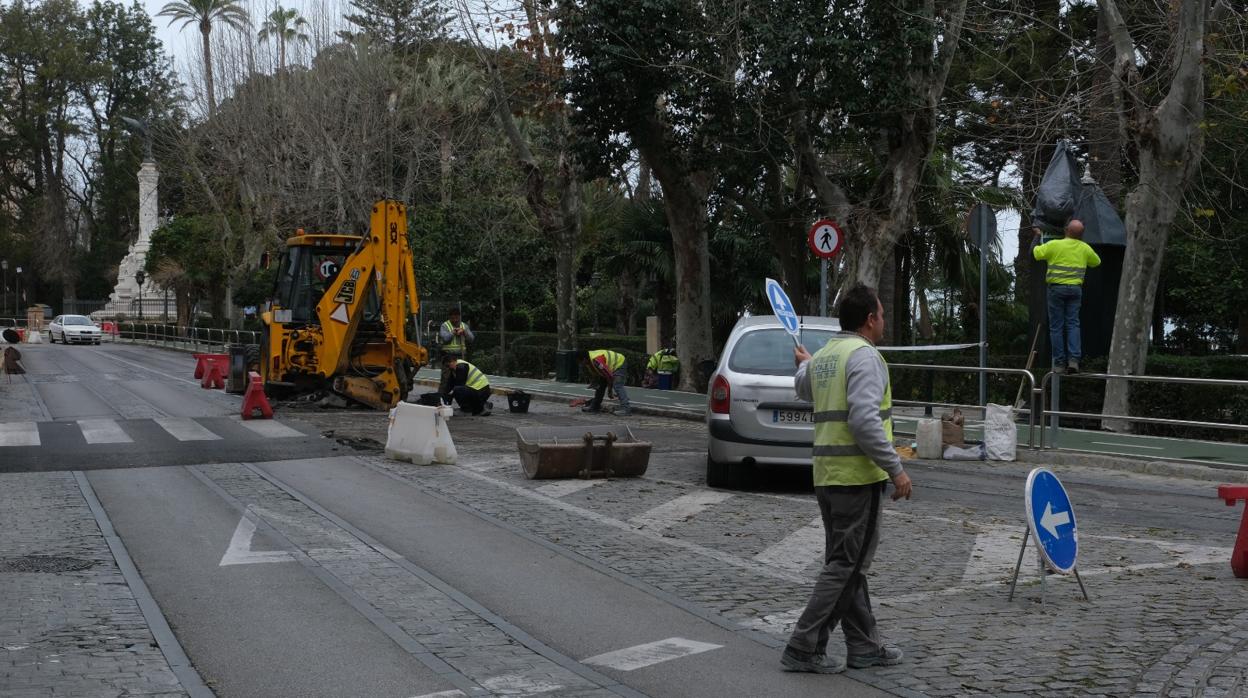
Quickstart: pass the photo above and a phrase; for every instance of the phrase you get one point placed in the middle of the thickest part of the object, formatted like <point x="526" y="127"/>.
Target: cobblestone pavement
<point x="70" y="633"/>
<point x="1166" y="617"/>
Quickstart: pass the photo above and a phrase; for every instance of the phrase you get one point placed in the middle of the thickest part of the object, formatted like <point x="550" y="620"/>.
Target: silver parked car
<point x="72" y="329"/>
<point x="753" y="415"/>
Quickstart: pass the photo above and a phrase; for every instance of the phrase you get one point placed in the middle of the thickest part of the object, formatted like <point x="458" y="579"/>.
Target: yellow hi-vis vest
<point x="838" y="459"/>
<point x="476" y="379"/>
<point x="1068" y="260"/>
<point x="457" y="344"/>
<point x="614" y="359"/>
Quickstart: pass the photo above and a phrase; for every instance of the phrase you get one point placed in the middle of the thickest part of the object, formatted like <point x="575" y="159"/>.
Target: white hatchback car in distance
<point x="753" y="415"/>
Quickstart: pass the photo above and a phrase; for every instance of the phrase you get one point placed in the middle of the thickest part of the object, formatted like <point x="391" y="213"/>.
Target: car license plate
<point x="792" y="417"/>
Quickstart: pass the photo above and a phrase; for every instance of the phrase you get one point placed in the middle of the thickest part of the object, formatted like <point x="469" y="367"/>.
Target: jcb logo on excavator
<point x="346" y="294"/>
<point x="394" y="232"/>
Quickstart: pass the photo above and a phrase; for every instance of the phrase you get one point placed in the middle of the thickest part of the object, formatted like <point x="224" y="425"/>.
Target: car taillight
<point x="721" y="395"/>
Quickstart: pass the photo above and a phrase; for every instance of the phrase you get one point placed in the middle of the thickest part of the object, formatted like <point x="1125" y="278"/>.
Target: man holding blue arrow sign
<point x="853" y="458"/>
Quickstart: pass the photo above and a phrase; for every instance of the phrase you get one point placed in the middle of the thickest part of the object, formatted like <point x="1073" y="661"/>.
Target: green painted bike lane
<point x="693" y="406"/>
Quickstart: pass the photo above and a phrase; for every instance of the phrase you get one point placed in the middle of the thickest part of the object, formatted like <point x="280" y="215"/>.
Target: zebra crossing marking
<point x="677" y="510"/>
<point x="19" y="434"/>
<point x="103" y="431"/>
<point x="185" y="429"/>
<point x="798" y="549"/>
<point x="267" y="428"/>
<point x="564" y="488"/>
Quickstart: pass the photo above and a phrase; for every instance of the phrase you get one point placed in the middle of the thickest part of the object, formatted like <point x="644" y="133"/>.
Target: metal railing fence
<point x="1055" y="415"/>
<point x="196" y="338"/>
<point x="1034" y="395"/>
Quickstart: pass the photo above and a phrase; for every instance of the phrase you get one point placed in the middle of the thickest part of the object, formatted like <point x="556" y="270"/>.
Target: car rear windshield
<point x="75" y="320"/>
<point x="770" y="352"/>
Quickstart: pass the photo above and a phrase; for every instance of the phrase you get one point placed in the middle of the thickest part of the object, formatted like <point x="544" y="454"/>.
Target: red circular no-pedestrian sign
<point x="825" y="238"/>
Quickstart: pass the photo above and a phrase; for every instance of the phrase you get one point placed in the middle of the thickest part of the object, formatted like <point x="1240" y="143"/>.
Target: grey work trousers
<point x="851" y="525"/>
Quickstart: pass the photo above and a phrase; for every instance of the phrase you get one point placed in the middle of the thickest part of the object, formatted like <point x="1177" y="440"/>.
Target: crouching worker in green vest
<point x="663" y="361"/>
<point x="853" y="459"/>
<point x="468" y="386"/>
<point x="607" y="375"/>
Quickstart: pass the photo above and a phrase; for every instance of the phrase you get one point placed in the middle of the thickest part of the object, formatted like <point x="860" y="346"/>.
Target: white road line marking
<point x="651" y="653"/>
<point x="19" y="434"/>
<point x="443" y="694"/>
<point x="147" y="369"/>
<point x="267" y="428"/>
<point x="798" y="549"/>
<point x="778" y="623"/>
<point x="1111" y="443"/>
<point x="240" y="553"/>
<point x="518" y="685"/>
<point x="680" y="509"/>
<point x="993" y="555"/>
<point x="185" y="429"/>
<point x="103" y="431"/>
<point x="564" y="488"/>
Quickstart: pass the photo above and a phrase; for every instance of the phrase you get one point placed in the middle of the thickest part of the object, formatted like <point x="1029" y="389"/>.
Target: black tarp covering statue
<point x="1061" y="196"/>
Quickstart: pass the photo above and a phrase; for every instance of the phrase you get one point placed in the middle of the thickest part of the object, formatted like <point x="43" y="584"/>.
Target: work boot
<point x="887" y="656"/>
<point x="1059" y="370"/>
<point x="1072" y="366"/>
<point x="591" y="408"/>
<point x="623" y="411"/>
<point x="795" y="660"/>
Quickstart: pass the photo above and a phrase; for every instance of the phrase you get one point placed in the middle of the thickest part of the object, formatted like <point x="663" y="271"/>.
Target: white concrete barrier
<point x="420" y="434"/>
<point x="32" y="337"/>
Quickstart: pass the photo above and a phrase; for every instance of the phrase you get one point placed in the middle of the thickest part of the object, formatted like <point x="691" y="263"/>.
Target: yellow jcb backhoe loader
<point x="340" y="312"/>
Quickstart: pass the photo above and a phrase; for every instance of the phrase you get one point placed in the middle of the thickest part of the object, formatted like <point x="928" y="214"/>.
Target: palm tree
<point x="286" y="26"/>
<point x="204" y="13"/>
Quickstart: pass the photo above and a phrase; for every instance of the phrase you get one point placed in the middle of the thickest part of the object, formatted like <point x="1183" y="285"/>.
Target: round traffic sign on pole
<point x="825" y="238"/>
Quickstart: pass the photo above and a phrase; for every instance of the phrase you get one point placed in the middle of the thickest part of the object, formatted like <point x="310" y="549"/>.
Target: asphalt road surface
<point x="291" y="558"/>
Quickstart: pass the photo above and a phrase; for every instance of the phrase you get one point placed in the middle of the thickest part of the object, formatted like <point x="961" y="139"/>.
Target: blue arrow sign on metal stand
<point x="781" y="306"/>
<point x="1052" y="520"/>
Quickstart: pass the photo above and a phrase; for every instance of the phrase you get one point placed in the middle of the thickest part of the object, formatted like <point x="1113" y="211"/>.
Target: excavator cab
<point x="339" y="313"/>
<point x="307" y="271"/>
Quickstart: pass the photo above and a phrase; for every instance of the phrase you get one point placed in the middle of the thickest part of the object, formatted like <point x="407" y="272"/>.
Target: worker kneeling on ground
<point x="608" y="375"/>
<point x="468" y="386"/>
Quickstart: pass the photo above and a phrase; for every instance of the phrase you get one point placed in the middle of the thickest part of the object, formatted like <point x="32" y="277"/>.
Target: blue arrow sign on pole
<point x="781" y="306"/>
<point x="1052" y="520"/>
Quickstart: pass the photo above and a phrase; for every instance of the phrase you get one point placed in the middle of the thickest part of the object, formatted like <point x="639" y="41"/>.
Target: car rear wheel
<point x="726" y="475"/>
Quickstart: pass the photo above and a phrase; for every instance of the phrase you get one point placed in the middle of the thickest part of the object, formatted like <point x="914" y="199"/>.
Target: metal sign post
<point x="1051" y="520"/>
<point x="825" y="239"/>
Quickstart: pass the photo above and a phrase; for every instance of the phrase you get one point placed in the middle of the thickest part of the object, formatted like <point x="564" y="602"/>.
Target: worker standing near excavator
<point x="454" y="337"/>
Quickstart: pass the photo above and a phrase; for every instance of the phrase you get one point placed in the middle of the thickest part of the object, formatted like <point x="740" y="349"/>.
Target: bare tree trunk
<point x="1170" y="145"/>
<point x="685" y="200"/>
<point x="565" y="253"/>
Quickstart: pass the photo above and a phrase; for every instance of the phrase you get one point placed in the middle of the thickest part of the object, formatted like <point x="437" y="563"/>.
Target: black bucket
<point x="518" y="402"/>
<point x="430" y="399"/>
<point x="11" y="336"/>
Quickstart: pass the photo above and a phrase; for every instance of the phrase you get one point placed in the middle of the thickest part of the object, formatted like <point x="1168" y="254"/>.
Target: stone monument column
<point x="148" y="211"/>
<point x="127" y="288"/>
